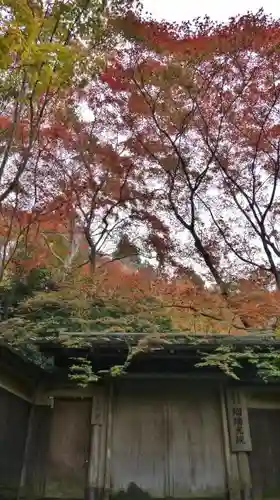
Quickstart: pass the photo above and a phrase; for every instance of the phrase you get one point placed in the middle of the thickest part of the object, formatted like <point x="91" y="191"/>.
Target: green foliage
<point x="35" y="310"/>
<point x="19" y="286"/>
<point x="223" y="358"/>
<point x="40" y="42"/>
<point x="231" y="360"/>
<point x="81" y="372"/>
<point x="68" y="310"/>
<point x="33" y="313"/>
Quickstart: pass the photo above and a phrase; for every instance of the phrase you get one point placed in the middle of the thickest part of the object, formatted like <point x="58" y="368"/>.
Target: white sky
<point x="219" y="10"/>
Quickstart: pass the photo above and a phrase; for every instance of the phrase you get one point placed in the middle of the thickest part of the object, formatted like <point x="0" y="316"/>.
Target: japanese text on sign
<point x="238" y="422"/>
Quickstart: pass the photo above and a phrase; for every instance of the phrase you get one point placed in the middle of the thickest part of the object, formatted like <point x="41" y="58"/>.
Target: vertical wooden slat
<point x="68" y="449"/>
<point x="240" y="437"/>
<point x="107" y="480"/>
<point x="230" y="458"/>
<point x="166" y="441"/>
<point x="14" y="413"/>
<point x="92" y="482"/>
<point x="96" y="467"/>
<point x="235" y="478"/>
<point x="26" y="451"/>
<point x="265" y="456"/>
<point x="36" y="453"/>
<point x="195" y="454"/>
<point x="245" y="475"/>
<point x="138" y="457"/>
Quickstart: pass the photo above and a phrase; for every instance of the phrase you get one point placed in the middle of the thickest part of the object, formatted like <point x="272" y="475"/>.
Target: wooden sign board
<point x="239" y="428"/>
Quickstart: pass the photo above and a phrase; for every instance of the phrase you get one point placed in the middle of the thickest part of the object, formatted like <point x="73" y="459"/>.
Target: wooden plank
<point x="14" y="413"/>
<point x="69" y="449"/>
<point x="96" y="468"/>
<point x="97" y="411"/>
<point x="257" y="398"/>
<point x="230" y="458"/>
<point x="265" y="456"/>
<point x="240" y="437"/>
<point x="109" y="436"/>
<point x="167" y="441"/>
<point x="138" y="451"/>
<point x="245" y="475"/>
<point x="235" y="477"/>
<point x="26" y="451"/>
<point x="15" y="387"/>
<point x="264" y="405"/>
<point x="68" y="392"/>
<point x="37" y="449"/>
<point x="195" y="451"/>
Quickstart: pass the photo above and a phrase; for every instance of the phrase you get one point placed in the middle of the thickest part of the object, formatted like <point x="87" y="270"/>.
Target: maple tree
<point x="48" y="54"/>
<point x="91" y="181"/>
<point x="145" y="198"/>
<point x="199" y="110"/>
<point x="168" y="123"/>
<point x="40" y="55"/>
<point x="47" y="49"/>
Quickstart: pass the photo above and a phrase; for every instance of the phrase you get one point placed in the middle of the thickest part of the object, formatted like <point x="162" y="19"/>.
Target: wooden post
<point x="245" y="475"/>
<point x="232" y="470"/>
<point x="107" y="482"/>
<point x="240" y="438"/>
<point x="21" y="492"/>
<point x="97" y="458"/>
<point x="32" y="479"/>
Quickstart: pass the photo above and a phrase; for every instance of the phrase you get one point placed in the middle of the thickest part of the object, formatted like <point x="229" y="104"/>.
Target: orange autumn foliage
<point x="191" y="308"/>
<point x="203" y="37"/>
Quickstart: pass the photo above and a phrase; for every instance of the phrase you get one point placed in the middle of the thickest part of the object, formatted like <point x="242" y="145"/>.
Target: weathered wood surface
<point x="265" y="456"/>
<point x="167" y="441"/>
<point x="68" y="449"/>
<point x="139" y="440"/>
<point x="98" y="444"/>
<point x="195" y="449"/>
<point x="231" y="464"/>
<point x="37" y="452"/>
<point x="13" y="427"/>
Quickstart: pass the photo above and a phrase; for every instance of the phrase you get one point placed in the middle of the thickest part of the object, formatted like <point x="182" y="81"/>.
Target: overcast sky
<point x="220" y="10"/>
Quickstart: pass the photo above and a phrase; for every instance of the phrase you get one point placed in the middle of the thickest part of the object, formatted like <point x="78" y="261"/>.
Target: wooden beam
<point x="230" y="458"/>
<point x="13" y="386"/>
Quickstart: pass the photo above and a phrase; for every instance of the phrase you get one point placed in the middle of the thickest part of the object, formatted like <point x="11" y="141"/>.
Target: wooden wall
<point x="167" y="441"/>
<point x="133" y="440"/>
<point x="141" y="440"/>
<point x="14" y="413"/>
<point x="68" y="449"/>
<point x="265" y="455"/>
<point x="37" y="452"/>
<point x="264" y="419"/>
